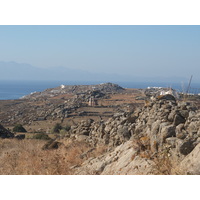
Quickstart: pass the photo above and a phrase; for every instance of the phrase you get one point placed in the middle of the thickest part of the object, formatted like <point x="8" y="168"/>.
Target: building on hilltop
<point x="171" y="92"/>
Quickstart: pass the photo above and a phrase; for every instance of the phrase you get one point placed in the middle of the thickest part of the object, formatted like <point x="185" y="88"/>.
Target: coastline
<point x="10" y="90"/>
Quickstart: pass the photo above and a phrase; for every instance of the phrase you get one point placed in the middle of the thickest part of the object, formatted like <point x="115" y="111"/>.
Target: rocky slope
<point x="54" y="104"/>
<point x="163" y="137"/>
<point x="92" y="90"/>
<point x="160" y="138"/>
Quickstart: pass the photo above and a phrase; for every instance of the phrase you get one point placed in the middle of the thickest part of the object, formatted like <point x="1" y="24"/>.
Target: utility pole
<point x="186" y="94"/>
<point x="189" y="85"/>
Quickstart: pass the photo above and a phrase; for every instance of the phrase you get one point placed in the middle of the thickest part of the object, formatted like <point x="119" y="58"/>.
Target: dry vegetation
<point x="163" y="163"/>
<point x="26" y="157"/>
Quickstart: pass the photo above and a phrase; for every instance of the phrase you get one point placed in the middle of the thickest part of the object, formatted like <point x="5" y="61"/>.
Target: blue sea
<point x="17" y="89"/>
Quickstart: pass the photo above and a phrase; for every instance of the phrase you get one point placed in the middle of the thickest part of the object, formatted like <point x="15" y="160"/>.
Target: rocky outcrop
<point x="161" y="121"/>
<point x="123" y="160"/>
<point x="191" y="163"/>
<point x="98" y="90"/>
<point x="162" y="127"/>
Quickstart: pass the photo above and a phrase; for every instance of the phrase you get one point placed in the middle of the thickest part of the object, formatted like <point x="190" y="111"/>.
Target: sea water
<point x="17" y="89"/>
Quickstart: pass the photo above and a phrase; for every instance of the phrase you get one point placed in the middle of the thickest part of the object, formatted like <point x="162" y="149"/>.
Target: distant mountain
<point x="23" y="71"/>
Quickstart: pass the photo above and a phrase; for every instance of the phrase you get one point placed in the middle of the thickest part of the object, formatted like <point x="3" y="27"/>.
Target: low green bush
<point x="60" y="129"/>
<point x="67" y="127"/>
<point x="41" y="136"/>
<point x="57" y="128"/>
<point x="19" y="128"/>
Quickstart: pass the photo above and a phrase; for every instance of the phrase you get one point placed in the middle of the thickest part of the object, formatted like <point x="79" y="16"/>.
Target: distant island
<point x="24" y="71"/>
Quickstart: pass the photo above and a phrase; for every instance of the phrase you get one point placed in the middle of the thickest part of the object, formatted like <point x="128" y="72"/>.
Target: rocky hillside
<point x="54" y="104"/>
<point x="104" y="88"/>
<point x="161" y="138"/>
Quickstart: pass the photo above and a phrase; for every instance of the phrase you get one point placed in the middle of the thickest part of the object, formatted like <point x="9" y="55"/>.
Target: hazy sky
<point x="138" y="50"/>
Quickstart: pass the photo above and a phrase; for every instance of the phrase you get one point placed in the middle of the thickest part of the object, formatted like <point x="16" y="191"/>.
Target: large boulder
<point x="191" y="163"/>
<point x="193" y="127"/>
<point x="181" y="133"/>
<point x="166" y="132"/>
<point x="178" y="119"/>
<point x="187" y="147"/>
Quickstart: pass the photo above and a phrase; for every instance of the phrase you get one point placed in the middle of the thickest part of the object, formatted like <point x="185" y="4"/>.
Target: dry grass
<point x="26" y="157"/>
<point x="163" y="163"/>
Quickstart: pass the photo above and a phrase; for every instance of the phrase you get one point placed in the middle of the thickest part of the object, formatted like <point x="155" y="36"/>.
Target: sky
<point x="143" y="51"/>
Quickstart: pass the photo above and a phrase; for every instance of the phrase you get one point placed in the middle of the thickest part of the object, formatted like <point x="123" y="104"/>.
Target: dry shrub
<point x="162" y="161"/>
<point x="142" y="146"/>
<point x="26" y="157"/>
